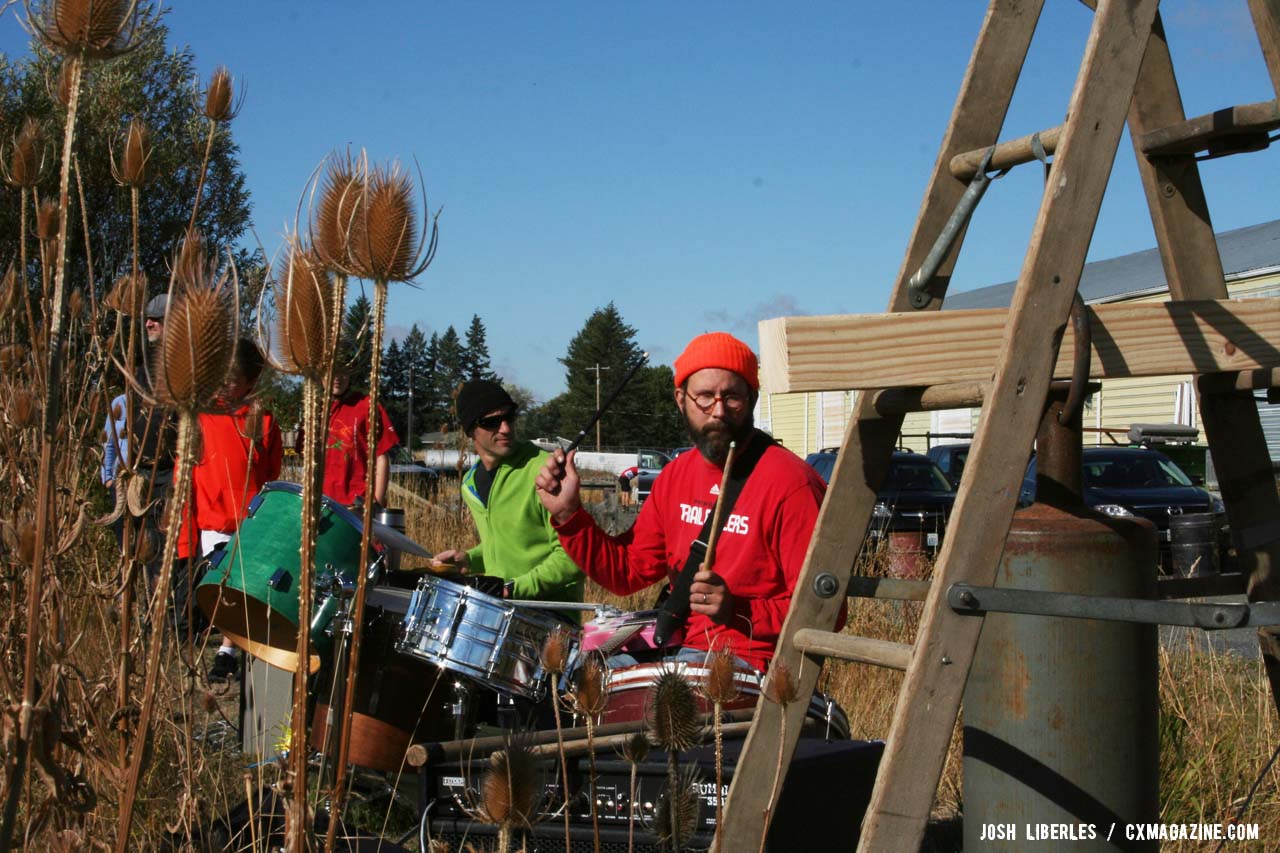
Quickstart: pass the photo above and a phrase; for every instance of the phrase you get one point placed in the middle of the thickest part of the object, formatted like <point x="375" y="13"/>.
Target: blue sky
<point x="702" y="165"/>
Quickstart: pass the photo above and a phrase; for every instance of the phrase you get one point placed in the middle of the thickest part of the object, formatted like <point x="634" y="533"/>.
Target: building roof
<point x="1244" y="251"/>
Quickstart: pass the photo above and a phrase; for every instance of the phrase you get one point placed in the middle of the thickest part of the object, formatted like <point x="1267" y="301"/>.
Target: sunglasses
<point x="492" y="422"/>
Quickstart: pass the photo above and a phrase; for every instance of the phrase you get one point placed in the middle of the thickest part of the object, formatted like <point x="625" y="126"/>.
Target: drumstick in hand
<point x="715" y="519"/>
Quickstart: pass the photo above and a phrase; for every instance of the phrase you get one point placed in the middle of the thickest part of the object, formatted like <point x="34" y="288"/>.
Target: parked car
<point x="412" y="474"/>
<point x="1129" y="482"/>
<point x="915" y="500"/>
<point x="650" y="463"/>
<point x="950" y="459"/>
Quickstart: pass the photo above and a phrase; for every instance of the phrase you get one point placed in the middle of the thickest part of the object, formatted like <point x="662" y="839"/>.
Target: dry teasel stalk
<point x="95" y="29"/>
<point x="590" y="697"/>
<point x="555" y="659"/>
<point x="635" y="749"/>
<point x="76" y="303"/>
<point x="10" y="295"/>
<point x="62" y="88"/>
<point x="720" y="686"/>
<point x="781" y="689"/>
<point x="27" y="543"/>
<point x="27" y="156"/>
<point x="673" y="724"/>
<point x="676" y="816"/>
<point x="134" y="166"/>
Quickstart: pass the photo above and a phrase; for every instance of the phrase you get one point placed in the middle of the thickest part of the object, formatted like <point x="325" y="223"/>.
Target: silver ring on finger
<point x="704" y="598"/>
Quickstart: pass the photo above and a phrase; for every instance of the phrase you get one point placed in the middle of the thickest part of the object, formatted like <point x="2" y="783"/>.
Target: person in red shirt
<point x="743" y="599"/>
<point x="239" y="450"/>
<point x="347" y="448"/>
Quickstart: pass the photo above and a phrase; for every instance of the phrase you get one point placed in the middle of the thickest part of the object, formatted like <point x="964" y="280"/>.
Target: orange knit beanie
<point x="722" y="350"/>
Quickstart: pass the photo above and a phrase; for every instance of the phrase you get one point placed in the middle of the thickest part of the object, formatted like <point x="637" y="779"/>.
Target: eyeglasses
<point x="706" y="401"/>
<point x="492" y="422"/>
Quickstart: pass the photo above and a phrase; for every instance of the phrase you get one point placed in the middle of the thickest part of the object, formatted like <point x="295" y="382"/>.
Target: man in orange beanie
<point x="741" y="600"/>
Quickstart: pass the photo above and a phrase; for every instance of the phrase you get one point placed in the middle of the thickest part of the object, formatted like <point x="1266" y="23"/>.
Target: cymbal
<point x="393" y="538"/>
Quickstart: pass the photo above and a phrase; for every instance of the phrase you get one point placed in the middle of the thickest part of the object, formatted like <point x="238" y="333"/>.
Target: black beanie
<point x="478" y="397"/>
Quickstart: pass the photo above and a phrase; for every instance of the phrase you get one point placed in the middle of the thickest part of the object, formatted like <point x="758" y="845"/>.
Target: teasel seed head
<point x="673" y="711"/>
<point x="384" y="241"/>
<point x="191" y="264"/>
<point x="10" y="293"/>
<point x="12" y="356"/>
<point x="27" y="156"/>
<point x="96" y="29"/>
<point x="196" y="352"/>
<point x="75" y="302"/>
<point x="24" y="409"/>
<point x="684" y="802"/>
<point x="781" y="687"/>
<point x="219" y="98"/>
<point x="719" y="684"/>
<point x="636" y="748"/>
<point x="134" y="168"/>
<point x="305" y="301"/>
<point x="127" y="294"/>
<point x="47" y="219"/>
<point x="555" y="652"/>
<point x="591" y="687"/>
<point x="341" y="193"/>
<point x="27" y="543"/>
<point x="509" y="790"/>
<point x="62" y="89"/>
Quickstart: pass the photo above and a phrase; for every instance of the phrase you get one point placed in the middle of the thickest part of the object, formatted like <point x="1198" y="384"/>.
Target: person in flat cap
<point x="517" y="542"/>
<point x="741" y="602"/>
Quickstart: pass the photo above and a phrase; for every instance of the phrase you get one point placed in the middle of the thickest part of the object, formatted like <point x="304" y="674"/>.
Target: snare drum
<point x="480" y="636"/>
<point x="629" y="695"/>
<point x="250" y="591"/>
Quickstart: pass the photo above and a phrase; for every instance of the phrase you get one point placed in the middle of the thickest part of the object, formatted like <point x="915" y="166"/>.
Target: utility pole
<point x="597" y="370"/>
<point x="409" y="438"/>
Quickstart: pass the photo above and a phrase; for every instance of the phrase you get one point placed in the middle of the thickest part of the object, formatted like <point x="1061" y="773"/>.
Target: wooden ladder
<point x="1126" y="74"/>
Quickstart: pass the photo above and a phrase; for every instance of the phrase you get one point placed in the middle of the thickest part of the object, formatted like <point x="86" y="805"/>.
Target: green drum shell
<point x="237" y="593"/>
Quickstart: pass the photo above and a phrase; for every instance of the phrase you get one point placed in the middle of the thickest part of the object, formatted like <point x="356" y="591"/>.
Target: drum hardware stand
<point x="342" y="591"/>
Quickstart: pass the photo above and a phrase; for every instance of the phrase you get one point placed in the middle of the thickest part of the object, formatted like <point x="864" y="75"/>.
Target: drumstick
<point x="573" y="445"/>
<point x="715" y="519"/>
<point x="675" y="610"/>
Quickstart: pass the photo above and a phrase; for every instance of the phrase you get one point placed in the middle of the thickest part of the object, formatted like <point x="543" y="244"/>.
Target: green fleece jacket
<point x="517" y="542"/>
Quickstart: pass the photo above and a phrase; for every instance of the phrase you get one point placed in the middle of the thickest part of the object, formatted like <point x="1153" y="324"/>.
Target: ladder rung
<point x="900" y="401"/>
<point x="1244" y="380"/>
<point x="858" y="649"/>
<point x="1230" y="130"/>
<point x="1015" y="152"/>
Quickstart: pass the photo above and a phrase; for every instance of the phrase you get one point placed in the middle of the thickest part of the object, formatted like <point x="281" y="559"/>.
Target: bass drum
<point x="399" y="700"/>
<point x="630" y="691"/>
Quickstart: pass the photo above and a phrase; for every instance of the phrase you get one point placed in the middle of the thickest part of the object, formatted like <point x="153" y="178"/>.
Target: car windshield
<point x="400" y="455"/>
<point x="916" y="475"/>
<point x="1132" y="471"/>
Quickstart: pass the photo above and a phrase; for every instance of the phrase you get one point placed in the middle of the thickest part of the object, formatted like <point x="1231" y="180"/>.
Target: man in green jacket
<point x="517" y="542"/>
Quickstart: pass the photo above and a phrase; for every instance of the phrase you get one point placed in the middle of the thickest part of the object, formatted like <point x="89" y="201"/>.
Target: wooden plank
<point x="1015" y="152"/>
<point x="900" y="401"/>
<point x="856" y="649"/>
<point x="869" y="440"/>
<point x="907" y="349"/>
<point x="1189" y="252"/>
<point x="1266" y="21"/>
<point x="929" y="702"/>
<point x="1245" y="126"/>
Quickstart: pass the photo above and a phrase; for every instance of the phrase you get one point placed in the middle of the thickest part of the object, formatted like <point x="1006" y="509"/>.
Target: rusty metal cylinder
<point x="1060" y="714"/>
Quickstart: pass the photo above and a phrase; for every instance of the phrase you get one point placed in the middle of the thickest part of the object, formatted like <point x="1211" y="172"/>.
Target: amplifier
<point x="824" y="795"/>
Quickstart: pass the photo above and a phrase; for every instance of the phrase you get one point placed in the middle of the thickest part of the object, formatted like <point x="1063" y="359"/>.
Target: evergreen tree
<point x="450" y="368"/>
<point x="435" y="398"/>
<point x="417" y="377"/>
<point x="353" y="351"/>
<point x="475" y="356"/>
<point x="604" y="347"/>
<point x="393" y="387"/>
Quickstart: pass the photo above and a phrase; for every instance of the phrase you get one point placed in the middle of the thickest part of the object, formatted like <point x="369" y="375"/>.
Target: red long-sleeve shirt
<point x="759" y="552"/>
<point x="232" y="469"/>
